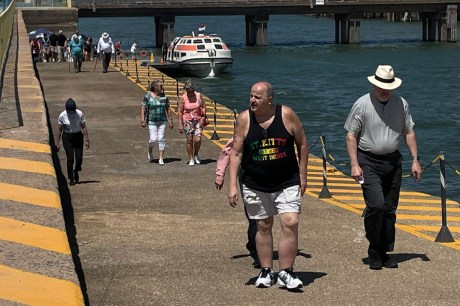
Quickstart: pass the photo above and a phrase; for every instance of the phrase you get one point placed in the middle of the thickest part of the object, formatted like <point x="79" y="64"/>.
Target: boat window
<point x="198" y="41"/>
<point x="200" y="47"/>
<point x="207" y="40"/>
<point x="182" y="54"/>
<point x="218" y="47"/>
<point x="189" y="41"/>
<point x="216" y="40"/>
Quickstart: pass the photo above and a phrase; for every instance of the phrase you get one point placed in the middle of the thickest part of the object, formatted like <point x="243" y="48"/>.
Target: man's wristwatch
<point x="415" y="158"/>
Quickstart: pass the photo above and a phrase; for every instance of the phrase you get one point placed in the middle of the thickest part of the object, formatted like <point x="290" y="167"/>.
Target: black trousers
<point x="382" y="184"/>
<point x="106" y="57"/>
<point x="77" y="60"/>
<point x="252" y="224"/>
<point x="73" y="146"/>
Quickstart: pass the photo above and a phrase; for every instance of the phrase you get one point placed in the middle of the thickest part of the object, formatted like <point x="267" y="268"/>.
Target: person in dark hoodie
<point x="72" y="129"/>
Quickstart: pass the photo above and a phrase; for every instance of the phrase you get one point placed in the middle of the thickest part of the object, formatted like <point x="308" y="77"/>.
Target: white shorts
<point x="261" y="205"/>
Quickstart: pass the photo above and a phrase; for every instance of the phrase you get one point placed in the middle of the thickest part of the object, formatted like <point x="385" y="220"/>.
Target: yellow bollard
<point x="152" y="58"/>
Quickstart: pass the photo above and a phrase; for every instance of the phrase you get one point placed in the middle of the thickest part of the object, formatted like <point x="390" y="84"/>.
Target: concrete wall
<point x="65" y="19"/>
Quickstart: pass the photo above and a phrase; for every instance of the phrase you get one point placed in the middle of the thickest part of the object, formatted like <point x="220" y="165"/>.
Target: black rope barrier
<point x="313" y="145"/>
<point x="444" y="234"/>
<point x="148" y="75"/>
<point x="137" y="74"/>
<point x="214" y="134"/>
<point x="127" y="68"/>
<point x="324" y="191"/>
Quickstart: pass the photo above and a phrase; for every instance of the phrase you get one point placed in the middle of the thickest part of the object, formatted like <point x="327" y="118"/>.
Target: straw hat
<point x="384" y="78"/>
<point x="105" y="35"/>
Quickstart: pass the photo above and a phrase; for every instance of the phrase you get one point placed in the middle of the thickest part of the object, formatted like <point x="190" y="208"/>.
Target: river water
<point x="321" y="80"/>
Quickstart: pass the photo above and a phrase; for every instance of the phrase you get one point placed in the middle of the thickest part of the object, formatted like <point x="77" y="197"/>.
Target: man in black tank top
<point x="274" y="179"/>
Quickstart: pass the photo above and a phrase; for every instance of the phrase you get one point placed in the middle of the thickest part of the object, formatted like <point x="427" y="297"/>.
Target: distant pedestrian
<point x="62" y="45"/>
<point x="76" y="51"/>
<point x="117" y="47"/>
<point x="88" y="46"/>
<point x="191" y="112"/>
<point x="72" y="129"/>
<point x="54" y="49"/>
<point x="155" y="112"/>
<point x="274" y="178"/>
<point x="105" y="48"/>
<point x="133" y="51"/>
<point x="164" y="51"/>
<point x="374" y="127"/>
<point x="44" y="42"/>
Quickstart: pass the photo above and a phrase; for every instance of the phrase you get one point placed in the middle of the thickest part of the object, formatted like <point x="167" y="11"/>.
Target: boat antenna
<point x="193" y="33"/>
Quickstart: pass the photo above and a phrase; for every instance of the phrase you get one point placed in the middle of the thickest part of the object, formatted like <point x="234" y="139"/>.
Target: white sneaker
<point x="191" y="162"/>
<point x="197" y="160"/>
<point x="150" y="156"/>
<point x="287" y="278"/>
<point x="161" y="162"/>
<point x="266" y="278"/>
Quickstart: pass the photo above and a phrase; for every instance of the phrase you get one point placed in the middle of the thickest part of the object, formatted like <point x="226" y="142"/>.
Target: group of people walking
<point x="156" y="113"/>
<point x="268" y="156"/>
<point x="77" y="49"/>
<point x="80" y="49"/>
<point x="267" y="159"/>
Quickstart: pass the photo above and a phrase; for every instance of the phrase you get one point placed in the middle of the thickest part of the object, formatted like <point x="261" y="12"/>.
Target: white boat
<point x="202" y="55"/>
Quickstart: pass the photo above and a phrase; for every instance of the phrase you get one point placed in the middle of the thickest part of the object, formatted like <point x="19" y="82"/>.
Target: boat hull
<point x="208" y="67"/>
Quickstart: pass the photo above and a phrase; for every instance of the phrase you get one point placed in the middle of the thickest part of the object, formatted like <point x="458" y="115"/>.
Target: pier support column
<point x="431" y="23"/>
<point x="449" y="25"/>
<point x="164" y="30"/>
<point x="256" y="30"/>
<point x="347" y="29"/>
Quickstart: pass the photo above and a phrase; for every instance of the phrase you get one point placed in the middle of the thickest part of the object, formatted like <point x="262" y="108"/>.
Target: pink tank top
<point x="192" y="110"/>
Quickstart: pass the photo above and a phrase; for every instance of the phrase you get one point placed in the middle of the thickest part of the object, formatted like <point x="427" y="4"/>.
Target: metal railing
<point x="42" y="3"/>
<point x="6" y="28"/>
<point x="246" y="3"/>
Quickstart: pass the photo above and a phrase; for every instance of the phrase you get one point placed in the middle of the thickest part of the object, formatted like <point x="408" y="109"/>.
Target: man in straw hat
<point x="374" y="126"/>
<point x="105" y="48"/>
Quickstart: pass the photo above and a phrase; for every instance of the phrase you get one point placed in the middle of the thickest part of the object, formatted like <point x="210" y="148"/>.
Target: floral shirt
<point x="155" y="108"/>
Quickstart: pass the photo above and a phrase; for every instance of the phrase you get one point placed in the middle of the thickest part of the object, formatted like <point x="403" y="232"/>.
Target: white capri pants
<point x="157" y="133"/>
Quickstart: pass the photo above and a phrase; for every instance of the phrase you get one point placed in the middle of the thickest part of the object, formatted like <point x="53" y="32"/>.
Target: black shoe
<point x="72" y="182"/>
<point x="375" y="263"/>
<point x="256" y="262"/>
<point x="76" y="177"/>
<point x="389" y="263"/>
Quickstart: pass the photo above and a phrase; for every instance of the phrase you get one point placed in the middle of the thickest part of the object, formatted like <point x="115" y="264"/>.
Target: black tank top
<point x="269" y="159"/>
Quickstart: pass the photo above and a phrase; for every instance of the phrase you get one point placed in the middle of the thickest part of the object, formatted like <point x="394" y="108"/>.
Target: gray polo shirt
<point x="378" y="126"/>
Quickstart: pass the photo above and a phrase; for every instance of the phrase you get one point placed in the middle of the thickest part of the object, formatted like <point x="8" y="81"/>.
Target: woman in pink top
<point x="191" y="112"/>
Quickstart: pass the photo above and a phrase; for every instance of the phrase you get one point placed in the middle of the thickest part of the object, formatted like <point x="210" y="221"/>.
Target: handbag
<point x="204" y="121"/>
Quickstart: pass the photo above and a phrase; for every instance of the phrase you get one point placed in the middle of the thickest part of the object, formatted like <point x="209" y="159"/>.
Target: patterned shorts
<point x="192" y="127"/>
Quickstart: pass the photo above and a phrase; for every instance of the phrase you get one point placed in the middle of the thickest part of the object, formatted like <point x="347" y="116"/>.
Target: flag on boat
<point x="201" y="28"/>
